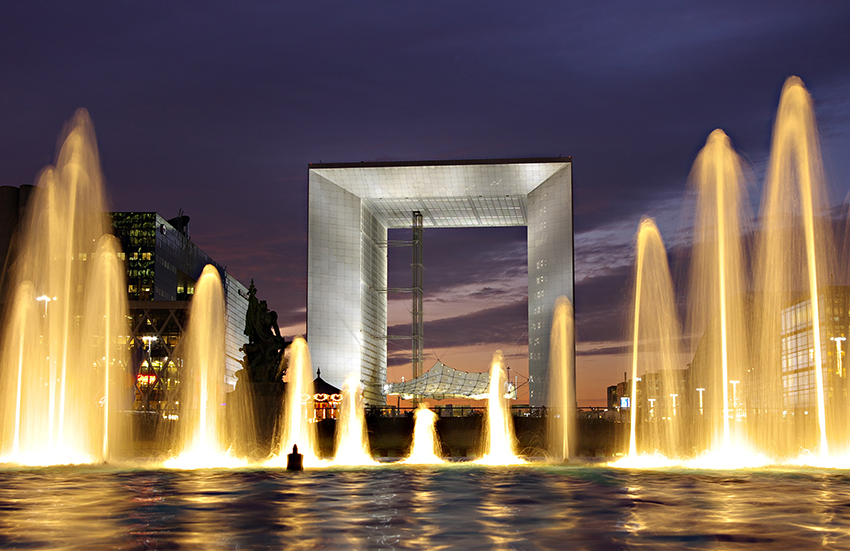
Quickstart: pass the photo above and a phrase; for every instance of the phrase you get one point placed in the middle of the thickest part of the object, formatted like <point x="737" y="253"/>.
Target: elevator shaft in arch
<point x="418" y="325"/>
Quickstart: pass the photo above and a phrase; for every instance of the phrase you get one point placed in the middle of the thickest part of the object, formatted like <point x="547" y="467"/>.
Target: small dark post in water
<point x="295" y="460"/>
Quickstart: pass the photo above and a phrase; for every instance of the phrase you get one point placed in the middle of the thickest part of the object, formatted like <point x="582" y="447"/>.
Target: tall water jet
<point x="352" y="440"/>
<point x="561" y="420"/>
<point x="716" y="298"/>
<point x="296" y="420"/>
<point x="104" y="320"/>
<point x="202" y="428"/>
<point x="425" y="449"/>
<point x="655" y="337"/>
<point x="499" y="438"/>
<point x="58" y="416"/>
<point x="22" y="322"/>
<point x="793" y="260"/>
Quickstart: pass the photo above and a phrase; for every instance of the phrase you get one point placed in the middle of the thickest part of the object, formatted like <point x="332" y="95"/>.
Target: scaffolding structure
<point x="418" y="326"/>
<point x="417" y="330"/>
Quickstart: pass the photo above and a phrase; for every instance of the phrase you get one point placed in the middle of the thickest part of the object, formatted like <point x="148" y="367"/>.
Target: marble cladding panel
<point x="333" y="280"/>
<point x="550" y="271"/>
<point x="349" y="212"/>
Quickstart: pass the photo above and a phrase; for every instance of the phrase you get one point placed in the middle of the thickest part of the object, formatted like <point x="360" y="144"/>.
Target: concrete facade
<point x="351" y="206"/>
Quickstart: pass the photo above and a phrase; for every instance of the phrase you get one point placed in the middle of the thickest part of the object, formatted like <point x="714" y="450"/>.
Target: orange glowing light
<point x="146" y="380"/>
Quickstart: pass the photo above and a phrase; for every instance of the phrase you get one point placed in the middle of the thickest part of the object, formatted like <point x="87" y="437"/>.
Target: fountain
<point x="296" y="422"/>
<point x="352" y="441"/>
<point x="499" y="438"/>
<point x="105" y="317"/>
<point x="64" y="381"/>
<point x="761" y="388"/>
<point x="426" y="445"/>
<point x="794" y="259"/>
<point x="562" y="398"/>
<point x="201" y="440"/>
<point x="764" y="377"/>
<point x="65" y="378"/>
<point x="655" y="334"/>
<point x="717" y="306"/>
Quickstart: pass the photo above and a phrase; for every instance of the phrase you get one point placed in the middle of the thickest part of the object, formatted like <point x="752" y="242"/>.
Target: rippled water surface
<point x="450" y="507"/>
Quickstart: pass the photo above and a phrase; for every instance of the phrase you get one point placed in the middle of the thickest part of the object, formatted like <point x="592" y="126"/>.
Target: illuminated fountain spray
<point x="759" y="368"/>
<point x="61" y="378"/>
<point x="654" y="351"/>
<point x="296" y="420"/>
<point x="352" y="440"/>
<point x="562" y="401"/>
<point x="105" y="317"/>
<point x="794" y="253"/>
<point x="499" y="438"/>
<point x="22" y="323"/>
<point x="202" y="427"/>
<point x="716" y="305"/>
<point x="426" y="445"/>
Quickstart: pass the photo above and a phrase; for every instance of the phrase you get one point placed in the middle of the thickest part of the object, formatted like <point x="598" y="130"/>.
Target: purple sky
<point x="217" y="107"/>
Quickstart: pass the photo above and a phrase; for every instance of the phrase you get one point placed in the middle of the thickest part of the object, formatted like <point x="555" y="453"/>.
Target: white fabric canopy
<point x="442" y="382"/>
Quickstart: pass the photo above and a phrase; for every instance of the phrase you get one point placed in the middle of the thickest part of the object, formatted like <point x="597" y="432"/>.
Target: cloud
<point x="217" y="109"/>
<point x="478" y="257"/>
<point x="501" y="325"/>
<point x="604" y="350"/>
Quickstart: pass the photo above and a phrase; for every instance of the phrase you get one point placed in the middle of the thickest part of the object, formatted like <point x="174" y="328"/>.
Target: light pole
<point x="735" y="396"/>
<point x="45" y="299"/>
<point x="148" y="340"/>
<point x="700" y="390"/>
<point x="674" y="396"/>
<point x="838" y="341"/>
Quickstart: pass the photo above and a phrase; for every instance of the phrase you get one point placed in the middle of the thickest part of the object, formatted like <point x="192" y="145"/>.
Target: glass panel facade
<point x="797" y="352"/>
<point x="162" y="267"/>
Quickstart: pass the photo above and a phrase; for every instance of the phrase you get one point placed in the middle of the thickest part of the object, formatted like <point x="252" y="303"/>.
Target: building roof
<point x="321" y="386"/>
<point x="449" y="194"/>
<point x="441" y="162"/>
<point x="442" y="382"/>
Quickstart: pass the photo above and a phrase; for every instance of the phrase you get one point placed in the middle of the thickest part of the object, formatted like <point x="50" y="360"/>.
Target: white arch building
<point x="351" y="206"/>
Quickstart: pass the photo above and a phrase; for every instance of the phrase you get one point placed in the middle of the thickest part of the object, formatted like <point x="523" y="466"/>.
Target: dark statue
<point x="263" y="359"/>
<point x="260" y="386"/>
<point x="295" y="460"/>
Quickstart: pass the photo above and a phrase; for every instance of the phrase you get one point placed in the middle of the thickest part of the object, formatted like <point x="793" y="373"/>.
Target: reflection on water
<point x="453" y="506"/>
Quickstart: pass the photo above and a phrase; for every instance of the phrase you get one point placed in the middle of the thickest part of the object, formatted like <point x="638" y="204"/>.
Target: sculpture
<point x="263" y="359"/>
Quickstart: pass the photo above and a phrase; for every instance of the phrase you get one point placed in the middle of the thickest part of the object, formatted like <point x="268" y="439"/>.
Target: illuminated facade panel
<point x="797" y="344"/>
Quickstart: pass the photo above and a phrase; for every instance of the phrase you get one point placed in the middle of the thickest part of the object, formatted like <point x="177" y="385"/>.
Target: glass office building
<point x="162" y="267"/>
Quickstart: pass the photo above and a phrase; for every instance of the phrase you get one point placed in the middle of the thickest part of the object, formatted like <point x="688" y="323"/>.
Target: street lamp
<point x="838" y="341"/>
<point x="45" y="299"/>
<point x="700" y="390"/>
<point x="735" y="396"/>
<point x="148" y="340"/>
